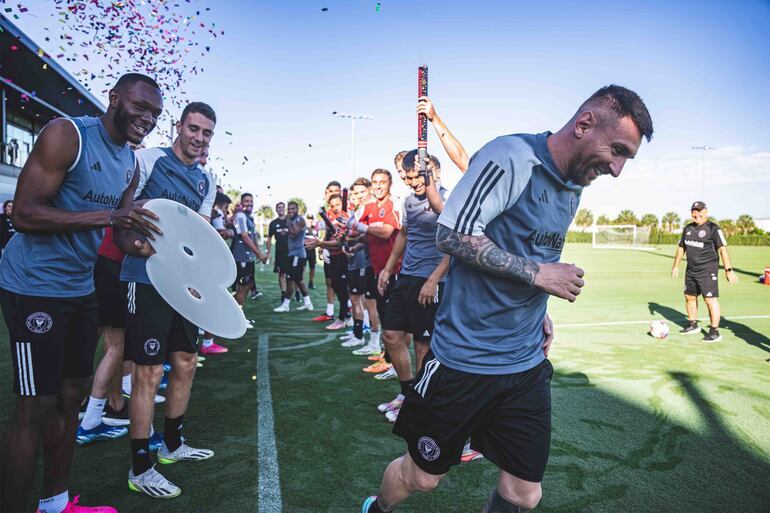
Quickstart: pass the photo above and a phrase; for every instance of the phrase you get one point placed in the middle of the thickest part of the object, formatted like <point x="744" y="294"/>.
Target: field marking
<point x="621" y="323"/>
<point x="328" y="339"/>
<point x="269" y="483"/>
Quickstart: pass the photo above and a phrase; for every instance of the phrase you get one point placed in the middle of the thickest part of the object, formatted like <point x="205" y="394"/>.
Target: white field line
<point x="321" y="342"/>
<point x="621" y="323"/>
<point x="269" y="484"/>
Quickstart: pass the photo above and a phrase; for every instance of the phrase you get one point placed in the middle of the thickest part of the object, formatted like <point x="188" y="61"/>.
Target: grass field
<point x="639" y="424"/>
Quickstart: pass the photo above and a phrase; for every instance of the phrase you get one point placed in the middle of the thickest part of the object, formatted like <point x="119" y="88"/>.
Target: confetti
<point x="253" y="377"/>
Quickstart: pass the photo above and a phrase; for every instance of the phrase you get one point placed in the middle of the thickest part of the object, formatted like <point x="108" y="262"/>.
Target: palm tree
<point x="670" y="221"/>
<point x="266" y="211"/>
<point x="728" y="227"/>
<point x="626" y="217"/>
<point x="584" y="218"/>
<point x="603" y="220"/>
<point x="745" y="224"/>
<point x="650" y="220"/>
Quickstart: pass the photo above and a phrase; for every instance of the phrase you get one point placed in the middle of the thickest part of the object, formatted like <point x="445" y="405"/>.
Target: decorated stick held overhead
<point x="422" y="124"/>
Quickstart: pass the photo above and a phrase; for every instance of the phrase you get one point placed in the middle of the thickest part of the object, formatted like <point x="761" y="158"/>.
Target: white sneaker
<point x="353" y="342"/>
<point x="306" y="306"/>
<point x="152" y="483"/>
<point x="388" y="374"/>
<point x="159" y="399"/>
<point x="391" y="405"/>
<point x="392" y="415"/>
<point x="349" y="322"/>
<point x="368" y="350"/>
<point x="283" y="308"/>
<point x="183" y="453"/>
<point x="347" y="336"/>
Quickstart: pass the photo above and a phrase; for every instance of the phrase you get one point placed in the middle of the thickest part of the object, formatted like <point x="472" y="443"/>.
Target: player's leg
<point x="715" y="315"/>
<point x="298" y="271"/>
<point x="357" y="308"/>
<point x="513" y="495"/>
<point x="369" y="285"/>
<point x="401" y="479"/>
<point x="110" y="366"/>
<point x="691" y="306"/>
<point x="421" y="348"/>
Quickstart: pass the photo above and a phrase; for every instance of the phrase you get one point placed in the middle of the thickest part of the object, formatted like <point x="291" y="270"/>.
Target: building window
<point x="19" y="142"/>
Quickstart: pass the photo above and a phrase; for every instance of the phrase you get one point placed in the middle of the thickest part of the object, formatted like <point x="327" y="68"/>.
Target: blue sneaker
<point x="166" y="368"/>
<point x="163" y="382"/>
<point x="100" y="432"/>
<point x="155" y="441"/>
<point x="368" y="502"/>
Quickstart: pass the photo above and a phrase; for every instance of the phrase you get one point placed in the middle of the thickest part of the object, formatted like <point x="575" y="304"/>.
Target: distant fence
<point x="659" y="238"/>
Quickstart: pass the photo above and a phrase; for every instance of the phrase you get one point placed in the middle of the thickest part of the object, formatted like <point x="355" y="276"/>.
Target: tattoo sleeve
<point x="483" y="254"/>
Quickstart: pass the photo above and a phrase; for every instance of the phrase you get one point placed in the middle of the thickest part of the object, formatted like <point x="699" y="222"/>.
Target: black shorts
<point x="405" y="313"/>
<point x="51" y="339"/>
<point x="296" y="269"/>
<point x="153" y="328"/>
<point x="245" y="273"/>
<point x="703" y="283"/>
<point x="338" y="267"/>
<point x="109" y="293"/>
<point x="311" y="258"/>
<point x="508" y="418"/>
<point x="382" y="301"/>
<point x="362" y="282"/>
<point x="281" y="264"/>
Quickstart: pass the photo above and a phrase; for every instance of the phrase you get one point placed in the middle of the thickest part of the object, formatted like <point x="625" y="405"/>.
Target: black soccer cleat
<point x="690" y="329"/>
<point x="712" y="336"/>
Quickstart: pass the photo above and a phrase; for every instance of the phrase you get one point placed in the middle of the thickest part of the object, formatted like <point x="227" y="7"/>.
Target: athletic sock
<point x="208" y="342"/>
<point x="375" y="341"/>
<point x="375" y="508"/>
<point x="172" y="433"/>
<point x="55" y="504"/>
<point x="405" y="386"/>
<point x="94" y="410"/>
<point x="366" y="318"/>
<point x="127" y="383"/>
<point x="140" y="455"/>
<point x="306" y="300"/>
<point x="286" y="302"/>
<point x="358" y="328"/>
<point x="330" y="309"/>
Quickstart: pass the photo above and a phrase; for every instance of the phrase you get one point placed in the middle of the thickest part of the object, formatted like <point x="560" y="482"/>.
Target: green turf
<point x="639" y="424"/>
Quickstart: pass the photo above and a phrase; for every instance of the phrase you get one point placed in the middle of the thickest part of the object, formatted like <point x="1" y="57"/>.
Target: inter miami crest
<point x="129" y="175"/>
<point x="201" y="187"/>
<point x="151" y="347"/>
<point x="428" y="448"/>
<point x="39" y="322"/>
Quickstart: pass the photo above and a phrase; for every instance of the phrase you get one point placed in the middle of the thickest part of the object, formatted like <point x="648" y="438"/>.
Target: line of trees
<point x="670" y="222"/>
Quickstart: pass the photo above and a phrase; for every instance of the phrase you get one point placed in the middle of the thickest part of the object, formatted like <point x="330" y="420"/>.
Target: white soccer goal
<point x="621" y="236"/>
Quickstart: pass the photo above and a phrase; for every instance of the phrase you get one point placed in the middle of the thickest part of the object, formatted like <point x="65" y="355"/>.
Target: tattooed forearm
<point x="482" y="253"/>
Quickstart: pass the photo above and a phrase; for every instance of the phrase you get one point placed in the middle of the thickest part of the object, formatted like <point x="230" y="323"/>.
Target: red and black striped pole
<point x="422" y="124"/>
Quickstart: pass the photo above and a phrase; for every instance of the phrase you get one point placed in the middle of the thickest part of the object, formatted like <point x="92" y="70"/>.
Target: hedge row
<point x="658" y="238"/>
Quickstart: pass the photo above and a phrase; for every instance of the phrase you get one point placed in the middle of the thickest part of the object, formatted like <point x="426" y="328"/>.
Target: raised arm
<point x="451" y="145"/>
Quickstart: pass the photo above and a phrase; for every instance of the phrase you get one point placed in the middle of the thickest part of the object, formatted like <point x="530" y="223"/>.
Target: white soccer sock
<point x="55" y="504"/>
<point x="366" y="317"/>
<point x="208" y="342"/>
<point x="330" y="309"/>
<point x="286" y="302"/>
<point x="375" y="340"/>
<point x="94" y="412"/>
<point x="306" y="299"/>
<point x="127" y="384"/>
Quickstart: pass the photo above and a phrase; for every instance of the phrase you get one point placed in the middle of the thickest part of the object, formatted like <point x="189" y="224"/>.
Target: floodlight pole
<point x="703" y="150"/>
<point x="353" y="118"/>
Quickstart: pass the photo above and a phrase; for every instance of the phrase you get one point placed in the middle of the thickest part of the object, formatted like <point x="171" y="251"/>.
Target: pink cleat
<point x="72" y="507"/>
<point x="336" y="325"/>
<point x="213" y="349"/>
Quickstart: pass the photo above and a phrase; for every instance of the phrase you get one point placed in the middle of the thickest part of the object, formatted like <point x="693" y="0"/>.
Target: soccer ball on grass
<point x="658" y="329"/>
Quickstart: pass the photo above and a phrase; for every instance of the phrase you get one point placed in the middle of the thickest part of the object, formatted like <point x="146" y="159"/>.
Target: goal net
<point x="623" y="236"/>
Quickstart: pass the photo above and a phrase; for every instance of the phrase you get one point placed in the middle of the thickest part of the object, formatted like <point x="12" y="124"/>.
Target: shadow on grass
<point x="741" y="331"/>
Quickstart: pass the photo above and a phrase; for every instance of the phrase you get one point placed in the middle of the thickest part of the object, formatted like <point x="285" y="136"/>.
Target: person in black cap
<point x="703" y="242"/>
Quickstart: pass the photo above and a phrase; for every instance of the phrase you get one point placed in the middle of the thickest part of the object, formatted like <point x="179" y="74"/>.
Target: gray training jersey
<point x="297" y="243"/>
<point x="514" y="194"/>
<point x="421" y="256"/>
<point x="244" y="223"/>
<point x="62" y="264"/>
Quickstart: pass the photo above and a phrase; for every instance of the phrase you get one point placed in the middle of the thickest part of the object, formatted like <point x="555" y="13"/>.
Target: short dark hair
<point x="132" y="78"/>
<point x="410" y="160"/>
<point x="335" y="196"/>
<point x="623" y="102"/>
<point x="246" y="194"/>
<point x="280" y="203"/>
<point x="222" y="199"/>
<point x="399" y="156"/>
<point x="333" y="183"/>
<point x="380" y="171"/>
<point x="200" y="108"/>
<point x="293" y="203"/>
<point x="362" y="181"/>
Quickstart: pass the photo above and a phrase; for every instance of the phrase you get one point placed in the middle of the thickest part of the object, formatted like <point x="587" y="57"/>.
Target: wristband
<point x="362" y="227"/>
<point x="729" y="270"/>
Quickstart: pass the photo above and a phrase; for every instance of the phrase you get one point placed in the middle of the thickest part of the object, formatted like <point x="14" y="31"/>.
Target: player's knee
<point x="33" y="411"/>
<point x="526" y="495"/>
<point x="392" y="340"/>
<point x="424" y="482"/>
<point x="148" y="375"/>
<point x="184" y="363"/>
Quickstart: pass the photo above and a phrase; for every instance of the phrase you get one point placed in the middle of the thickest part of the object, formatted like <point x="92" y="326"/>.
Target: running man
<point x="703" y="242"/>
<point x="155" y="332"/>
<point x="278" y="230"/>
<point x="296" y="225"/>
<point x="80" y="178"/>
<point x="486" y="375"/>
<point x="412" y="304"/>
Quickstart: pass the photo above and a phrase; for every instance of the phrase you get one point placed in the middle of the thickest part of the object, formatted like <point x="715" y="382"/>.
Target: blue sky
<point x="495" y="68"/>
